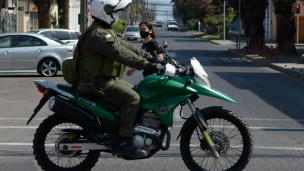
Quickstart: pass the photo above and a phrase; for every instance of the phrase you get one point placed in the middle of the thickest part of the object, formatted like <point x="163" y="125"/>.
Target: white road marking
<point x="172" y="145"/>
<point x="21" y="118"/>
<point x="251" y="127"/>
<point x="174" y="126"/>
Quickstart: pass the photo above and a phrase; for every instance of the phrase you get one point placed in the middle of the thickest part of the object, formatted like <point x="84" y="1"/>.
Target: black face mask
<point x="144" y="34"/>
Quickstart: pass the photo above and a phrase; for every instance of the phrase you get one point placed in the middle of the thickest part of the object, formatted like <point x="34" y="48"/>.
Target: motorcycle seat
<point x="106" y="105"/>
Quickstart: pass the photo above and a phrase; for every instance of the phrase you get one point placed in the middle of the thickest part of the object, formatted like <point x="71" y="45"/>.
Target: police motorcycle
<point x="212" y="138"/>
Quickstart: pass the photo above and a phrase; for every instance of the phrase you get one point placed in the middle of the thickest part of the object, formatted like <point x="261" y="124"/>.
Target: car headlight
<point x="137" y="35"/>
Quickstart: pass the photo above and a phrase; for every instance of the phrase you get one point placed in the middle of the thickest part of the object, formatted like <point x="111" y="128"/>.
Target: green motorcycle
<point x="212" y="138"/>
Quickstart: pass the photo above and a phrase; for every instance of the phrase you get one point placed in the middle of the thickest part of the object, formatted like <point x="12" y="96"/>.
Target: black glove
<point x="155" y="59"/>
<point x="158" y="68"/>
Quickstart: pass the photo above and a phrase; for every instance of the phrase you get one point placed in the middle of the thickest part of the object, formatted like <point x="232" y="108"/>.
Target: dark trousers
<point x="119" y="93"/>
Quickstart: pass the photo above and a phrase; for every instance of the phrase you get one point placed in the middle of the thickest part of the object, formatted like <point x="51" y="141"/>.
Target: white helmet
<point x="102" y="9"/>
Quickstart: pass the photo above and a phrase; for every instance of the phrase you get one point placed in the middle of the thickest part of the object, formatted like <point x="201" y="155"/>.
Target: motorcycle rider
<point x="103" y="59"/>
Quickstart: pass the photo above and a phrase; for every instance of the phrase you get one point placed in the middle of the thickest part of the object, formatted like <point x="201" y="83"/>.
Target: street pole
<point x="298" y="29"/>
<point x="83" y="15"/>
<point x="17" y="16"/>
<point x="133" y="17"/>
<point x="128" y="16"/>
<point x="224" y="20"/>
<point x="240" y="27"/>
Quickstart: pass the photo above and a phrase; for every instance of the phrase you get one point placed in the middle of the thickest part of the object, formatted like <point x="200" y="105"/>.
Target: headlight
<point x="137" y="35"/>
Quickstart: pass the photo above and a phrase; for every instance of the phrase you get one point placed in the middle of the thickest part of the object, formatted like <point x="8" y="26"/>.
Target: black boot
<point x="125" y="147"/>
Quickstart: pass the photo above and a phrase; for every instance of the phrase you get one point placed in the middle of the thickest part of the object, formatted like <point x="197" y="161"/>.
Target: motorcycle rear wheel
<point x="45" y="145"/>
<point x="230" y="135"/>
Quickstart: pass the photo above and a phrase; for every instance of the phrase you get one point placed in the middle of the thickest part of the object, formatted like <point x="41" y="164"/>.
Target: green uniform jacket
<point x="103" y="53"/>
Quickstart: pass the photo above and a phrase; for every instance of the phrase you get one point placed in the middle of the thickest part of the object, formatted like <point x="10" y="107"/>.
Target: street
<point x="270" y="102"/>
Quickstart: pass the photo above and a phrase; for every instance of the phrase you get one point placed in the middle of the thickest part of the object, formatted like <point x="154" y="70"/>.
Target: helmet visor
<point x="122" y="5"/>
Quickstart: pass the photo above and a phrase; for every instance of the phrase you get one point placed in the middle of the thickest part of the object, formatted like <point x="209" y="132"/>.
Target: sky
<point x="163" y="15"/>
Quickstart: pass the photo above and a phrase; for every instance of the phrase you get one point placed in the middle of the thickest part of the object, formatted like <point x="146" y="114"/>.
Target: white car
<point x="30" y="52"/>
<point x="172" y="26"/>
<point x="64" y="35"/>
<point x="132" y="33"/>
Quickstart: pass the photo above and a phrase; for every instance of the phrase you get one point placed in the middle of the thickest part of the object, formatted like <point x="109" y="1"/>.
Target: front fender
<point x="211" y="92"/>
<point x="191" y="121"/>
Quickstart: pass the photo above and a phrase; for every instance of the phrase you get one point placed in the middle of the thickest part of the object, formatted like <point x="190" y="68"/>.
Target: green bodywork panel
<point x="158" y="91"/>
<point x="94" y="108"/>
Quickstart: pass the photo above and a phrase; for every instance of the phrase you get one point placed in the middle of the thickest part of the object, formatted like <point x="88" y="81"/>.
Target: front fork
<point x="203" y="126"/>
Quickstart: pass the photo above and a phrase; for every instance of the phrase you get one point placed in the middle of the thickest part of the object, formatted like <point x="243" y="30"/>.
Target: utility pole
<point x="143" y="17"/>
<point x="83" y="15"/>
<point x="128" y="16"/>
<point x="133" y="17"/>
<point x="224" y="20"/>
<point x="240" y="27"/>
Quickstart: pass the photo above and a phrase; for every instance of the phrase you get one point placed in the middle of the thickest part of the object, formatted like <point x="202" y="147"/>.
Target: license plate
<point x="132" y="38"/>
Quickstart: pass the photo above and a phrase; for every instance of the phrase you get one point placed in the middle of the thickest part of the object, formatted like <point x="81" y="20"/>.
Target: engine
<point x="149" y="126"/>
<point x="151" y="120"/>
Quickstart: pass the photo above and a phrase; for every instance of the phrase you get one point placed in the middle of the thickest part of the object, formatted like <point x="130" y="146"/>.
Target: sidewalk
<point x="288" y="66"/>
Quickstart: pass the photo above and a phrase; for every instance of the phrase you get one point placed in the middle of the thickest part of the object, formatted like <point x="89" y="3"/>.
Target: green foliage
<point x="218" y="19"/>
<point x="199" y="9"/>
<point x="192" y="22"/>
<point x="119" y="27"/>
<point x="138" y="9"/>
<point x="54" y="21"/>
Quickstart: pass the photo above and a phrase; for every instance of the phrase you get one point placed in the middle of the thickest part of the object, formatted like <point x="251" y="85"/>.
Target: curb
<point x="270" y="65"/>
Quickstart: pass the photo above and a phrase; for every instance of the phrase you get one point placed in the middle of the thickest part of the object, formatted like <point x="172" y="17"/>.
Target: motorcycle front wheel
<point x="46" y="146"/>
<point x="231" y="137"/>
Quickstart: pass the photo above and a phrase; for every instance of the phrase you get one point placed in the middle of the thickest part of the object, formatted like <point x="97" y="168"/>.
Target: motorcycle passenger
<point x="103" y="59"/>
<point x="149" y="45"/>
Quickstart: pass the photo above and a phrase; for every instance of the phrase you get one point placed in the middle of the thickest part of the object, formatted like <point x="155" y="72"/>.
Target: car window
<point x="24" y="41"/>
<point x="158" y="23"/>
<point x="34" y="31"/>
<point x="47" y="33"/>
<point x="6" y="41"/>
<point x="62" y="35"/>
<point x="172" y="23"/>
<point x="41" y="42"/>
<point x="74" y="35"/>
<point x="56" y="40"/>
<point x="132" y="29"/>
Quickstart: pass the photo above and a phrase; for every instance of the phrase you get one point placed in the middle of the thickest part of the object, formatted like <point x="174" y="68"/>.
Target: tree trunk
<point x="44" y="12"/>
<point x="255" y="11"/>
<point x="1" y="3"/>
<point x="63" y="13"/>
<point x="285" y="11"/>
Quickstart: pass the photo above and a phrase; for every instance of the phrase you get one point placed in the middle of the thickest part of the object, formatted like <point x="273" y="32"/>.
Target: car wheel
<point x="48" y="67"/>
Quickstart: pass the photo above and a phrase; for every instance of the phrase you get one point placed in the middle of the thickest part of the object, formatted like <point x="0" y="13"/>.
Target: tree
<point x="44" y="14"/>
<point x="285" y="12"/>
<point x="218" y="19"/>
<point x="120" y="26"/>
<point x="199" y="9"/>
<point x="192" y="22"/>
<point x="255" y="11"/>
<point x="63" y="13"/>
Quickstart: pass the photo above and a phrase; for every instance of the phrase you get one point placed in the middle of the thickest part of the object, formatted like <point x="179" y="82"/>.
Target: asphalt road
<point x="270" y="102"/>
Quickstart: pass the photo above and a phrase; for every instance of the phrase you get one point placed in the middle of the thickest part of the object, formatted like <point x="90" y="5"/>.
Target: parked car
<point x="132" y="33"/>
<point x="153" y="23"/>
<point x="61" y="34"/>
<point x="159" y="24"/>
<point x="172" y="26"/>
<point x="29" y="52"/>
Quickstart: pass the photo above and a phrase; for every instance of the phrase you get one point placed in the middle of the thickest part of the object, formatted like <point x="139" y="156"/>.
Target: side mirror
<point x="164" y="45"/>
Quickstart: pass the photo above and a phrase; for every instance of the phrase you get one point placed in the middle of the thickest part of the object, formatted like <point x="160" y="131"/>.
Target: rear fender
<point x="191" y="121"/>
